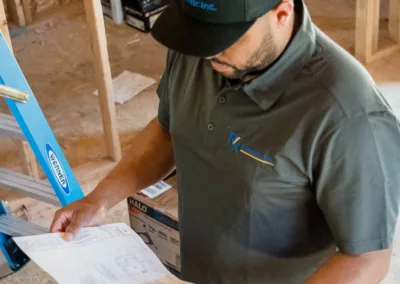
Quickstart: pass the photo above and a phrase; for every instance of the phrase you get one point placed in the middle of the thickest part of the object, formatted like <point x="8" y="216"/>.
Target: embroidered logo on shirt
<point x="238" y="147"/>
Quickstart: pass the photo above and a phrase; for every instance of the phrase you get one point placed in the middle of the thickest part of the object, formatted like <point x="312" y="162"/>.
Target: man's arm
<point x="149" y="160"/>
<point x="367" y="268"/>
<point x="356" y="184"/>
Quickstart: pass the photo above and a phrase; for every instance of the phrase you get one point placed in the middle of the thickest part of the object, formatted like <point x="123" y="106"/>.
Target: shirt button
<point x="210" y="126"/>
<point x="222" y="100"/>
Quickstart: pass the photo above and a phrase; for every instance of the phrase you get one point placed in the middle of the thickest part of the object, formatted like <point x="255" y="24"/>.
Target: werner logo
<point x="57" y="169"/>
<point x="202" y="5"/>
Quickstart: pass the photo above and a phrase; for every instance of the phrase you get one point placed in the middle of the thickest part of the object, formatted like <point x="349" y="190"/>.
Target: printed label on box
<point x="156" y="189"/>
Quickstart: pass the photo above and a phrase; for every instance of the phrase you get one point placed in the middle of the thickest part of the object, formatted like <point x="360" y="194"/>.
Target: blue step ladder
<point x="28" y="123"/>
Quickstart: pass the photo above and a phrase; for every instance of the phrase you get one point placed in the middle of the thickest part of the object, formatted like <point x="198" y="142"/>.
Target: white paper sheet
<point x="101" y="255"/>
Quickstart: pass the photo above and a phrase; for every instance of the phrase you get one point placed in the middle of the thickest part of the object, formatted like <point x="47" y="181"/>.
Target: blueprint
<point x="106" y="254"/>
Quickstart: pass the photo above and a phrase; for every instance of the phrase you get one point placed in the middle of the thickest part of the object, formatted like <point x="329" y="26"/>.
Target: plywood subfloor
<point x="55" y="56"/>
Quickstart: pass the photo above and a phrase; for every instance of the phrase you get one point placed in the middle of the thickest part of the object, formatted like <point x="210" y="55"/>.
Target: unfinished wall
<point x="42" y="5"/>
<point x="38" y="6"/>
<point x="6" y="9"/>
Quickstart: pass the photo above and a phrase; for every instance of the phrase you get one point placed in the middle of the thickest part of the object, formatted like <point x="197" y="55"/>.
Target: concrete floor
<point x="54" y="54"/>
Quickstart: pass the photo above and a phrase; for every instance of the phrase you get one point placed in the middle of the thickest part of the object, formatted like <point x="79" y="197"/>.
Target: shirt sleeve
<point x="163" y="94"/>
<point x="357" y="182"/>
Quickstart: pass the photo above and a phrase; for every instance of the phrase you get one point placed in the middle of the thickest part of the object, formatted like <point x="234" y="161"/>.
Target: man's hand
<point x="71" y="218"/>
<point x="367" y="268"/>
<point x="150" y="159"/>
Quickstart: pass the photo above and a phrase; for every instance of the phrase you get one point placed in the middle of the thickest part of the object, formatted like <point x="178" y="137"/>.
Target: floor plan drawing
<point x="98" y="255"/>
<point x="130" y="264"/>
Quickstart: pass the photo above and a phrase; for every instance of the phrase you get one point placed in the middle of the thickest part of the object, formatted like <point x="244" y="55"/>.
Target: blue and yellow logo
<point x="238" y="147"/>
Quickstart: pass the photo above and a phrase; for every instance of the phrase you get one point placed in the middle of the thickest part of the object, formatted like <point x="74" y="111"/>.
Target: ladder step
<point x="9" y="127"/>
<point x="28" y="186"/>
<point x="17" y="227"/>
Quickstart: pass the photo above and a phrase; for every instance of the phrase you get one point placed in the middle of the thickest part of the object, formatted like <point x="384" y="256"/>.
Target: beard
<point x="259" y="60"/>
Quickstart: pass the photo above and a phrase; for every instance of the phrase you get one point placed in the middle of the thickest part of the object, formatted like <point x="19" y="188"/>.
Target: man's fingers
<point x="60" y="222"/>
<point x="77" y="222"/>
<point x="67" y="236"/>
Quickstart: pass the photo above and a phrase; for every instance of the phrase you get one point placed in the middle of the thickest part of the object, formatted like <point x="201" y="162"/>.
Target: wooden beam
<point x="366" y="28"/>
<point x="95" y="21"/>
<point x="394" y="20"/>
<point x="3" y="23"/>
<point x="375" y="20"/>
<point x="385" y="52"/>
<point x="29" y="160"/>
<point x="28" y="11"/>
<point x="17" y="12"/>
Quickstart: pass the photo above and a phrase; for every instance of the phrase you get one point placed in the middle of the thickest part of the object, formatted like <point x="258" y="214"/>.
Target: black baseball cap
<point x="205" y="28"/>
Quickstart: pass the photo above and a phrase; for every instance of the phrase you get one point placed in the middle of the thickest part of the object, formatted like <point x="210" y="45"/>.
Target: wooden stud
<point x="17" y="12"/>
<point x="394" y="20"/>
<point x="29" y="159"/>
<point x="375" y="21"/>
<point x="385" y="52"/>
<point x="366" y="28"/>
<point x="28" y="11"/>
<point x="94" y="17"/>
<point x="3" y="23"/>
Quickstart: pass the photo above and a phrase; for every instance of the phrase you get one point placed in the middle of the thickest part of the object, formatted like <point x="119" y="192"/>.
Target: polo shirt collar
<point x="270" y="85"/>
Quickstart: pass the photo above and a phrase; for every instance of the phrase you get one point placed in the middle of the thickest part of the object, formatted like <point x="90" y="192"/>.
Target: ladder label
<point x="57" y="169"/>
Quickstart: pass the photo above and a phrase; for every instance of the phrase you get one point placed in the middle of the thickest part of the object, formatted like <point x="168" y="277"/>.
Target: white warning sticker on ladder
<point x="156" y="189"/>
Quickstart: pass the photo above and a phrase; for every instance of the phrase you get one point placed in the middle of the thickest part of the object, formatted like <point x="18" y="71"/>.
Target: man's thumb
<point x="74" y="226"/>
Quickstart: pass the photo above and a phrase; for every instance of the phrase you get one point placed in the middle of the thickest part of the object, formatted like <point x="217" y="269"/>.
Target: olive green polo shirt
<point x="275" y="174"/>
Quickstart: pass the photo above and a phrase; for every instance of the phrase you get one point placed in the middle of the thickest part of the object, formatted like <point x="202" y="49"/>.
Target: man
<point x="287" y="156"/>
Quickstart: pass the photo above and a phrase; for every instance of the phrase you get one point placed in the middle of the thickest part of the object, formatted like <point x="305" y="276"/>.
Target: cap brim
<point x="186" y="35"/>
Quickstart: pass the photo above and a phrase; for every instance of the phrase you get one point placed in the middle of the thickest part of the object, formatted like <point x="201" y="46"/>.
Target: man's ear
<point x="283" y="13"/>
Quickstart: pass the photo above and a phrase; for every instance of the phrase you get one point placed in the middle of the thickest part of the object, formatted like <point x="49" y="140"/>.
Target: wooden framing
<point x="103" y="77"/>
<point x="28" y="11"/>
<point x="367" y="29"/>
<point x="95" y="21"/>
<point x="17" y="12"/>
<point x="394" y="20"/>
<point x="21" y="12"/>
<point x="29" y="160"/>
<point x="3" y="23"/>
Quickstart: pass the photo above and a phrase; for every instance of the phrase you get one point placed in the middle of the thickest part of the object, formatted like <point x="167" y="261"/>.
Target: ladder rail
<point x="28" y="186"/>
<point x="9" y="127"/>
<point x="17" y="227"/>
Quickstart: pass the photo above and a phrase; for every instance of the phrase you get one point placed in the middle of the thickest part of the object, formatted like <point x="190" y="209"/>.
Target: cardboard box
<point x="118" y="14"/>
<point x="145" y="6"/>
<point x="156" y="222"/>
<point x="142" y="21"/>
<point x="106" y="5"/>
